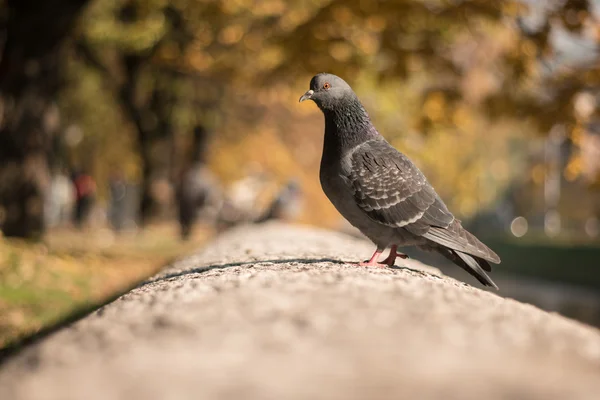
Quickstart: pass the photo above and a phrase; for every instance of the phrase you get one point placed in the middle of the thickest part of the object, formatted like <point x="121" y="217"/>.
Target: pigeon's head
<point x="328" y="91"/>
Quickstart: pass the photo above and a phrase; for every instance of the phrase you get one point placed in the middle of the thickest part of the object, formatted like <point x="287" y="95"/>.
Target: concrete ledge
<point x="275" y="313"/>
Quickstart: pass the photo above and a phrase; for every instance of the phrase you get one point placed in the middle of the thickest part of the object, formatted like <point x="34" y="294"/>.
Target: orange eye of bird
<point x="326" y="85"/>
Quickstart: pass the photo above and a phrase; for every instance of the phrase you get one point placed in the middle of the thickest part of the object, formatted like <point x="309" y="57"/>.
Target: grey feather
<point x="476" y="270"/>
<point x="458" y="238"/>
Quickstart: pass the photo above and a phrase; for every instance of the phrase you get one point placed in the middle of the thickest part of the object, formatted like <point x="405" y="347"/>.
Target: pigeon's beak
<point x="306" y="96"/>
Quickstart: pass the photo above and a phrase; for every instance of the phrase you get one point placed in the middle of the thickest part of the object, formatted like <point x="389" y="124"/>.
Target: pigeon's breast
<point x="338" y="189"/>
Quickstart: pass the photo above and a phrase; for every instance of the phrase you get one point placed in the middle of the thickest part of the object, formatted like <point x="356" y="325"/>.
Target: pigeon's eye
<point x="326" y="85"/>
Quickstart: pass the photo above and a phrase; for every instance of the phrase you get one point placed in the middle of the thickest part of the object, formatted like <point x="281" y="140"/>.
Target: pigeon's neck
<point x="347" y="126"/>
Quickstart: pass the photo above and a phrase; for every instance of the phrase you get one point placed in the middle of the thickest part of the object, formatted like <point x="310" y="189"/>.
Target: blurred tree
<point x="124" y="39"/>
<point x="127" y="42"/>
<point x="143" y="48"/>
<point x="473" y="65"/>
<point x="33" y="35"/>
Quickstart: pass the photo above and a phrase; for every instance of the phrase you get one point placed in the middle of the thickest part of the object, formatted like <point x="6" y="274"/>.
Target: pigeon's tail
<point x="473" y="265"/>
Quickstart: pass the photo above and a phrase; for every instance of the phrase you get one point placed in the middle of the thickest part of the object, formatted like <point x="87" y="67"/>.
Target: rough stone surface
<point x="276" y="313"/>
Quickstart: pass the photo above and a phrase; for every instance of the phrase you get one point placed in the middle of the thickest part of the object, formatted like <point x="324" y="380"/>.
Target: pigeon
<point x="381" y="192"/>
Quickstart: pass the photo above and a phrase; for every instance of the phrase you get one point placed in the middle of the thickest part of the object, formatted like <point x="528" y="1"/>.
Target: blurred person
<point x="244" y="192"/>
<point x="85" y="193"/>
<point x="117" y="211"/>
<point x="59" y="199"/>
<point x="242" y="199"/>
<point x="286" y="205"/>
<point x="198" y="189"/>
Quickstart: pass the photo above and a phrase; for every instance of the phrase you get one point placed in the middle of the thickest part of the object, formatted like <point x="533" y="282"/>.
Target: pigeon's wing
<point x="391" y="190"/>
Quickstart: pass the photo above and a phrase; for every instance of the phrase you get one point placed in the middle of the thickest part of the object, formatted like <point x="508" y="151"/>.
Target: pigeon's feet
<point x="373" y="261"/>
<point x="391" y="259"/>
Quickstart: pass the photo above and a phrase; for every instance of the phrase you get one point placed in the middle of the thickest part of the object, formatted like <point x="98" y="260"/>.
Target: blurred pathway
<point x="275" y="313"/>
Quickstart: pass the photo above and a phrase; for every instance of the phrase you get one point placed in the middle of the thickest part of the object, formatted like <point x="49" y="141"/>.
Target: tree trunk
<point x="35" y="34"/>
<point x="151" y="116"/>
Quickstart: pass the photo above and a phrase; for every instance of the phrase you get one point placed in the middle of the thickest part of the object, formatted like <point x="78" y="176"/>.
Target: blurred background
<point x="131" y="131"/>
